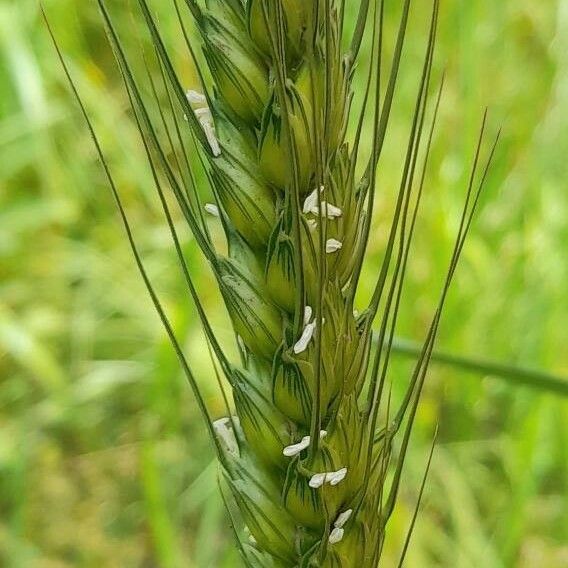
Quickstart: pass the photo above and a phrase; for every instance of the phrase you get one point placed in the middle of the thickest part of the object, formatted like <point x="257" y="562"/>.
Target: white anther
<point x="195" y="97"/>
<point x="336" y="477"/>
<point x="205" y="118"/>
<point x="203" y="114"/>
<point x="336" y="535"/>
<point x="343" y="518"/>
<point x="211" y="138"/>
<point x="221" y="422"/>
<point x="332" y="245"/>
<point x="307" y="314"/>
<point x="295" y="449"/>
<point x="331" y="211"/>
<point x="311" y="206"/>
<point x="311" y="201"/>
<point x="224" y="429"/>
<point x="305" y="339"/>
<point x="331" y="477"/>
<point x="317" y="480"/>
<point x="212" y="209"/>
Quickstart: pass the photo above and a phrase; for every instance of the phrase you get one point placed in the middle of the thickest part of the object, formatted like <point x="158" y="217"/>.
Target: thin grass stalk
<point x="513" y="374"/>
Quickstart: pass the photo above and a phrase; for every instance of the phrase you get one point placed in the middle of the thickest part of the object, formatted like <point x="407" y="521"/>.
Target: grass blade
<point x="513" y="374"/>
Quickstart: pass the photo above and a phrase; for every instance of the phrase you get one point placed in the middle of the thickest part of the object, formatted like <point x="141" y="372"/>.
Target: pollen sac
<point x="225" y="431"/>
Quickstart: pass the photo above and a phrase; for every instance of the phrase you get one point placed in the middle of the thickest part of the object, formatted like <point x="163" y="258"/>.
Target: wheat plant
<point x="312" y="447"/>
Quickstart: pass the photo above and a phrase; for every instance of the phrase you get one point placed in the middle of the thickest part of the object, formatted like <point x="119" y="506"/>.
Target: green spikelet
<point x="246" y="199"/>
<point x="274" y="140"/>
<point x="296" y="18"/>
<point x="280" y="266"/>
<point x="264" y="426"/>
<point x="308" y="470"/>
<point x="241" y="79"/>
<point x="255" y="319"/>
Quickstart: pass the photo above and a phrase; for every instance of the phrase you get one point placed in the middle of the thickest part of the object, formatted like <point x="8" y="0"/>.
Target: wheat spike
<point x="307" y="452"/>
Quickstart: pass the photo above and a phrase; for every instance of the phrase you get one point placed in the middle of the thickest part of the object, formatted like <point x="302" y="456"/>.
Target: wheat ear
<point x="309" y="473"/>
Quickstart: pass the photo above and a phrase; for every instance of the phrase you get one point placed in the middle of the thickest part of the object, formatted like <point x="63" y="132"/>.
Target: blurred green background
<point x="102" y="459"/>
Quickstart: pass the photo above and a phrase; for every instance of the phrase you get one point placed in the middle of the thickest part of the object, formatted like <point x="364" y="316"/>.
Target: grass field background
<point x="103" y="462"/>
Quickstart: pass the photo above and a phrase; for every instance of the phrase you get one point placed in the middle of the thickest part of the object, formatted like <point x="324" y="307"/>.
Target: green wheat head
<point x="311" y="450"/>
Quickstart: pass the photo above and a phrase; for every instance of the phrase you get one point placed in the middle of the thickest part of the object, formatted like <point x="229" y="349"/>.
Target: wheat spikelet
<point x="308" y="448"/>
